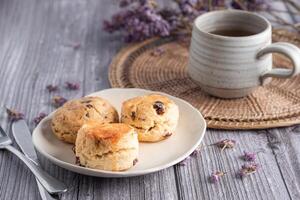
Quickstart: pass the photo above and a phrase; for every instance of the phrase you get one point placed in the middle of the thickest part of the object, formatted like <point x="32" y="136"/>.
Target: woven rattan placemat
<point x="274" y="105"/>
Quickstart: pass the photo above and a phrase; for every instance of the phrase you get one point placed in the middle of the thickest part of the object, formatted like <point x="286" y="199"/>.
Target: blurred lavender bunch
<point x="250" y="5"/>
<point x="138" y="20"/>
<point x="142" y="19"/>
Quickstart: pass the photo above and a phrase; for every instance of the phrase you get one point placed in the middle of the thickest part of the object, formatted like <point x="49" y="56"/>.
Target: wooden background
<point x="37" y="40"/>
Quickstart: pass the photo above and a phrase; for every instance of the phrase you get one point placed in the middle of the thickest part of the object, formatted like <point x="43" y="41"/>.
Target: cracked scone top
<point x="153" y="116"/>
<point x="112" y="147"/>
<point x="69" y="118"/>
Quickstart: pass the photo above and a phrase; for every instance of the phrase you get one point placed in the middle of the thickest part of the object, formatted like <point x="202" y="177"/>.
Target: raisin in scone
<point x="69" y="118"/>
<point x="112" y="147"/>
<point x="153" y="116"/>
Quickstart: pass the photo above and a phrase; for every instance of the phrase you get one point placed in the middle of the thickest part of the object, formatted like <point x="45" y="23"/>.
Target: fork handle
<point x="52" y="185"/>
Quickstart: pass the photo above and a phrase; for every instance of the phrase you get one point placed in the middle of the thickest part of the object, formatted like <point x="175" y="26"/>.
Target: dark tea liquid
<point x="232" y="33"/>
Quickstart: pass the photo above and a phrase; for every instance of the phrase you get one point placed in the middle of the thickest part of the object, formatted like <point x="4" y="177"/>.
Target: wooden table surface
<point x="37" y="48"/>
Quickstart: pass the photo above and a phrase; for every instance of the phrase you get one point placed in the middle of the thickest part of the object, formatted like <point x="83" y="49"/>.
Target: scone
<point x="69" y="118"/>
<point x="153" y="116"/>
<point x="112" y="147"/>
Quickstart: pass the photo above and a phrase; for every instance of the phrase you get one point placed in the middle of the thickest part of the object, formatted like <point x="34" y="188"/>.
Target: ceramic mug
<point x="230" y="53"/>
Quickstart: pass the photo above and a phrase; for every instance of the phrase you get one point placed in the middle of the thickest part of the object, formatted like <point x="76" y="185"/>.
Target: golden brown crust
<point x="148" y="99"/>
<point x="111" y="147"/>
<point x="112" y="131"/>
<point x="153" y="116"/>
<point x="69" y="118"/>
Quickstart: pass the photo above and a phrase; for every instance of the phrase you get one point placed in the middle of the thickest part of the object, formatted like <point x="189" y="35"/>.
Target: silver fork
<point x="52" y="185"/>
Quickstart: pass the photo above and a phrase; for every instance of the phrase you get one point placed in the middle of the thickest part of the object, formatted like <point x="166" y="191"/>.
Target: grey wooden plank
<point x="153" y="186"/>
<point x="12" y="53"/>
<point x="267" y="183"/>
<point x="293" y="12"/>
<point x="280" y="11"/>
<point x="285" y="143"/>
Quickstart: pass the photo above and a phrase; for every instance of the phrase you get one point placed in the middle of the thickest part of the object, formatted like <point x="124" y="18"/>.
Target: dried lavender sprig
<point x="248" y="169"/>
<point x="39" y="118"/>
<point x="76" y="46"/>
<point x="14" y="115"/>
<point x="226" y="143"/>
<point x="58" y="101"/>
<point x="52" y="88"/>
<point x="195" y="153"/>
<point x="184" y="162"/>
<point x="138" y="23"/>
<point x="157" y="52"/>
<point x="72" y="86"/>
<point x="249" y="156"/>
<point x="215" y="176"/>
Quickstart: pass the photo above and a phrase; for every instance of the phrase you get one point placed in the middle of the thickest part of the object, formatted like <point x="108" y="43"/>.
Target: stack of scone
<point x="91" y="123"/>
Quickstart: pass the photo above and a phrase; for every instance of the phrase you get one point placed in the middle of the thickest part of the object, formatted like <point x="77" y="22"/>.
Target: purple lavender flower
<point x="39" y="118"/>
<point x="249" y="156"/>
<point x="226" y="143"/>
<point x="14" y="115"/>
<point x="250" y="5"/>
<point x="124" y="3"/>
<point x="108" y="26"/>
<point x="236" y="5"/>
<point x="196" y="152"/>
<point x="58" y="101"/>
<point x="215" y="177"/>
<point x="256" y="5"/>
<point x="51" y="88"/>
<point x="76" y="46"/>
<point x="72" y="86"/>
<point x="138" y="23"/>
<point x="171" y="16"/>
<point x="184" y="162"/>
<point x="186" y="8"/>
<point x="218" y="3"/>
<point x="248" y="169"/>
<point x="157" y="52"/>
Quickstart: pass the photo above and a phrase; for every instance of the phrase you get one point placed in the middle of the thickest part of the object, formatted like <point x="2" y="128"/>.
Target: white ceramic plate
<point x="152" y="156"/>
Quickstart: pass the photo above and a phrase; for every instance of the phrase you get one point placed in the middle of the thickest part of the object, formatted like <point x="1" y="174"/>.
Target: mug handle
<point x="287" y="49"/>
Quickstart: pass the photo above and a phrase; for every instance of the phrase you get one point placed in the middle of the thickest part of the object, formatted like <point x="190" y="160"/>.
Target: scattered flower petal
<point x="124" y="3"/>
<point x="184" y="162"/>
<point x="76" y="46"/>
<point x="72" y="86"/>
<point x="215" y="177"/>
<point x="14" y="115"/>
<point x="226" y="143"/>
<point x="195" y="153"/>
<point x="51" y="88"/>
<point x="58" y="101"/>
<point x="39" y="118"/>
<point x="157" y="52"/>
<point x="249" y="156"/>
<point x="250" y="5"/>
<point x="248" y="169"/>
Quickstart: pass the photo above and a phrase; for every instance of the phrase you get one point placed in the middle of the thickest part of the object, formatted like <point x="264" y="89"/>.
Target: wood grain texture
<point x="37" y="48"/>
<point x="267" y="183"/>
